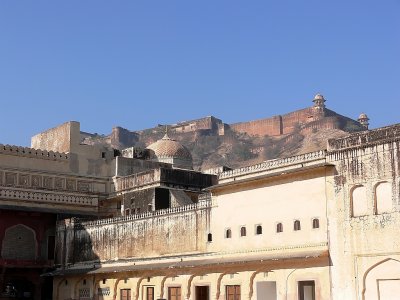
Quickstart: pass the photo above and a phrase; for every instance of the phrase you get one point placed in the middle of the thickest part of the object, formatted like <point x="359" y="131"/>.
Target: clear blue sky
<point x="140" y="63"/>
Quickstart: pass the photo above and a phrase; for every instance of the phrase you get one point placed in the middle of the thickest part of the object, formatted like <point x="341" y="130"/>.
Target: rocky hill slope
<point x="214" y="143"/>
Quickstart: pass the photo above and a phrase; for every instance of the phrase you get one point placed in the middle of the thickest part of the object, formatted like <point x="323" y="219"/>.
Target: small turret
<point x="363" y="120"/>
<point x="319" y="101"/>
<point x="319" y="106"/>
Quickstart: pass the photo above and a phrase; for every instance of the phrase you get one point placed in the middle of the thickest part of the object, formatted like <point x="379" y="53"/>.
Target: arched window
<point x="258" y="229"/>
<point x="296" y="225"/>
<point x="359" y="202"/>
<point x="209" y="237"/>
<point x="279" y="227"/>
<point x="315" y="223"/>
<point x="228" y="234"/>
<point x="243" y="231"/>
<point x="383" y="198"/>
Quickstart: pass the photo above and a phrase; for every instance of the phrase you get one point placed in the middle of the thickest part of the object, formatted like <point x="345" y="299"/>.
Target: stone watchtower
<point x="319" y="106"/>
<point x="364" y="120"/>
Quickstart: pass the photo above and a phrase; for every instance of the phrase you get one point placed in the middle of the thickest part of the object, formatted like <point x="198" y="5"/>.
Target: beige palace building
<point x="321" y="225"/>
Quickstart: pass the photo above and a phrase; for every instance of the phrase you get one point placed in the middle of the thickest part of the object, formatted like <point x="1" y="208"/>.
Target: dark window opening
<point x="84" y="281"/>
<point x="259" y="229"/>
<point x="315" y="223"/>
<point x="51" y="244"/>
<point x="279" y="227"/>
<point x="162" y="198"/>
<point x="243" y="231"/>
<point x="228" y="234"/>
<point x="296" y="225"/>
<point x="202" y="293"/>
<point x="209" y="237"/>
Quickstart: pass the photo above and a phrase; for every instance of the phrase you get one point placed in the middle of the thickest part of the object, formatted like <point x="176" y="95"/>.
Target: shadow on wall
<point x="74" y="245"/>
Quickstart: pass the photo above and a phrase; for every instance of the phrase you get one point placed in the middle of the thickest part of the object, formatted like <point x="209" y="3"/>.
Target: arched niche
<point x="383" y="198"/>
<point x="382" y="281"/>
<point x="359" y="203"/>
<point x="19" y="243"/>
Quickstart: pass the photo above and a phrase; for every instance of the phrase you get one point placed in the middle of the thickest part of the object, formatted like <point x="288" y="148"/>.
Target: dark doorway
<point x="51" y="244"/>
<point x="162" y="200"/>
<point x="202" y="293"/>
<point x="47" y="289"/>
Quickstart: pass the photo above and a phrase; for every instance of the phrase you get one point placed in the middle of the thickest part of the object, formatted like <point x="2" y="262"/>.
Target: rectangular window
<point x="174" y="293"/>
<point x="306" y="290"/>
<point x="233" y="292"/>
<point x="125" y="294"/>
<point x="150" y="293"/>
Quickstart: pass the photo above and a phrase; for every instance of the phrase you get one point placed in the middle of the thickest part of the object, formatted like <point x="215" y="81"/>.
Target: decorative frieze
<point x="11" y="179"/>
<point x="23" y="180"/>
<point x="48" y="182"/>
<point x="83" y="186"/>
<point x="59" y="183"/>
<point x="36" y="181"/>
<point x="71" y="185"/>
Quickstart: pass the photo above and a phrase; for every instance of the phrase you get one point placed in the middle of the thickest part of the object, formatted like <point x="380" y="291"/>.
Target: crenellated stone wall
<point x="270" y="126"/>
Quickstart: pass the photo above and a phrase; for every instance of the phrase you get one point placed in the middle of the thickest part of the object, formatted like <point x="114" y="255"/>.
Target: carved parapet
<point x="36" y="196"/>
<point x="137" y="180"/>
<point x="147" y="215"/>
<point x="32" y="153"/>
<point x="365" y="138"/>
<point x="274" y="164"/>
